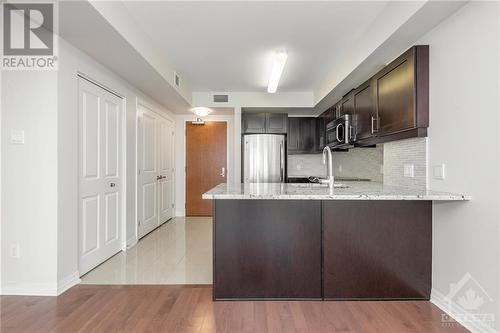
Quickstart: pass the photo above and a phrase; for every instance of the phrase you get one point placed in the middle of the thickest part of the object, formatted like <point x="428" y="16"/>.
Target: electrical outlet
<point x="15" y="251"/>
<point x="409" y="170"/>
<point x="438" y="171"/>
<point x="17" y="137"/>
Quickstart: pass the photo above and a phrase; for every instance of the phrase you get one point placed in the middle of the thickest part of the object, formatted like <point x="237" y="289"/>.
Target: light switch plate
<point x="438" y="171"/>
<point x="409" y="171"/>
<point x="17" y="137"/>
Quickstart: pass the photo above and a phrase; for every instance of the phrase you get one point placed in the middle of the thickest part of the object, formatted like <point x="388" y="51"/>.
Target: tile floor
<point x="178" y="252"/>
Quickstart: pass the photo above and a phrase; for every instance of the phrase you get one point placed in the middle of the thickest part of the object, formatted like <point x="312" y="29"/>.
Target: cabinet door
<point x="320" y="132"/>
<point x="293" y="134"/>
<point x="254" y="122"/>
<point x="307" y="140"/>
<point x="277" y="123"/>
<point x="267" y="249"/>
<point x="377" y="249"/>
<point x="364" y="110"/>
<point x="395" y="95"/>
<point x="347" y="104"/>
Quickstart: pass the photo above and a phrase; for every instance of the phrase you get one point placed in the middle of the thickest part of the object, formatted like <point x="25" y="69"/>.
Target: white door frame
<point x="123" y="163"/>
<point x="138" y="104"/>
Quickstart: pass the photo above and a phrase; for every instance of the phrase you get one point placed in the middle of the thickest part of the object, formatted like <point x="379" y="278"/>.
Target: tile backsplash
<point x="357" y="162"/>
<point x="410" y="152"/>
<point x="384" y="163"/>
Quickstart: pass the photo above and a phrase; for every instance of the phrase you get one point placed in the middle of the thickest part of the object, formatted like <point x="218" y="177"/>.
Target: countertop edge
<point x="443" y="198"/>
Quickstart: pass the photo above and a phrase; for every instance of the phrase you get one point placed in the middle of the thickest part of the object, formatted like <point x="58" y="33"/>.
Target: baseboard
<point x="30" y="289"/>
<point x="131" y="242"/>
<point x="180" y="213"/>
<point x="68" y="282"/>
<point x="458" y="313"/>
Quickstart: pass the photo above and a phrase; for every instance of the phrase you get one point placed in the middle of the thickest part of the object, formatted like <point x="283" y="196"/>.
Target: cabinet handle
<point x="373" y="120"/>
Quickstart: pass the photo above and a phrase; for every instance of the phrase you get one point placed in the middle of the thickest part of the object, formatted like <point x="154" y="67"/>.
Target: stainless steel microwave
<point x="341" y="132"/>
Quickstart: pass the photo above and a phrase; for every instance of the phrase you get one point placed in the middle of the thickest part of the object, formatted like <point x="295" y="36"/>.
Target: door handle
<point x="223" y="172"/>
<point x="112" y="184"/>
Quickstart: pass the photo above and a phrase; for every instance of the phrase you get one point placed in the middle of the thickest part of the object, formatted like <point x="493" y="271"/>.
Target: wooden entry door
<point x="206" y="164"/>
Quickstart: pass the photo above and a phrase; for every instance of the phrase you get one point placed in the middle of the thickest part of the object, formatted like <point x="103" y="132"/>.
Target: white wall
<point x="233" y="155"/>
<point x="463" y="134"/>
<point x="29" y="182"/>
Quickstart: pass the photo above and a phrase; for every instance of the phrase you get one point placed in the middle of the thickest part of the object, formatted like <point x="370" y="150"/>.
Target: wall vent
<point x="220" y="98"/>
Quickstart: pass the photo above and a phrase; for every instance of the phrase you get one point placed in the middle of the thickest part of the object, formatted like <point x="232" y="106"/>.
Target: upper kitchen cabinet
<point x="253" y="122"/>
<point x="401" y="95"/>
<point x="346" y="105"/>
<point x="301" y="137"/>
<point x="264" y="122"/>
<point x="277" y="123"/>
<point x="364" y="110"/>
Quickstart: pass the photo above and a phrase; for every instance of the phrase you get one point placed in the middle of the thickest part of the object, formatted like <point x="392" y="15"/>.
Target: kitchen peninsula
<point x="362" y="240"/>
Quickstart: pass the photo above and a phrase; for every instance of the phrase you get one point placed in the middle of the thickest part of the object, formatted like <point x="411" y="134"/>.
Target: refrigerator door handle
<point x="282" y="169"/>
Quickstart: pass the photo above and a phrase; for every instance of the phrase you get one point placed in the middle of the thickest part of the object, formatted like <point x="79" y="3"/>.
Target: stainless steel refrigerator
<point x="264" y="159"/>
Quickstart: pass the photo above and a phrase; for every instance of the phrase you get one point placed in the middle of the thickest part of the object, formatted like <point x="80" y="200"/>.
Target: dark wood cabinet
<point x="364" y="110"/>
<point x="394" y="96"/>
<point x="320" y="133"/>
<point x="264" y="122"/>
<point x="301" y="136"/>
<point x="276" y="123"/>
<point x="254" y="122"/>
<point x="400" y="99"/>
<point x="331" y="249"/>
<point x="377" y="249"/>
<point x="346" y="105"/>
<point x="267" y="249"/>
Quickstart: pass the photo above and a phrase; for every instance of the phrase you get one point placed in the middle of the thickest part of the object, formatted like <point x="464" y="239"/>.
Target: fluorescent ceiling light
<point x="279" y="61"/>
<point x="201" y="111"/>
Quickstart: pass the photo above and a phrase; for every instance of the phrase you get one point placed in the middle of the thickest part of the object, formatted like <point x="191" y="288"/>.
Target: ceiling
<point x="227" y="46"/>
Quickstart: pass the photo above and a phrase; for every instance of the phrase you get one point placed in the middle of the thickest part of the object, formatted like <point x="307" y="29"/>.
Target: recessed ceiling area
<point x="227" y="46"/>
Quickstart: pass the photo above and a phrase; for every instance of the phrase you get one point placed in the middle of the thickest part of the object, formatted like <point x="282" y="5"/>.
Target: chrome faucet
<point x="329" y="170"/>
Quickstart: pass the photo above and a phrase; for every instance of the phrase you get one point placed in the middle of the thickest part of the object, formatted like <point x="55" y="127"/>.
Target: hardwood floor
<point x="161" y="308"/>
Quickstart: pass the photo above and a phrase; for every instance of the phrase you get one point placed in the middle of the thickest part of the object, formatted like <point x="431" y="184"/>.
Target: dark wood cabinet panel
<point x="267" y="249"/>
<point x="277" y="123"/>
<point x="347" y="104"/>
<point x="254" y="122"/>
<point x="293" y="134"/>
<point x="320" y="132"/>
<point x="394" y="89"/>
<point x="264" y="122"/>
<point x="364" y="110"/>
<point x="301" y="136"/>
<point x="377" y="249"/>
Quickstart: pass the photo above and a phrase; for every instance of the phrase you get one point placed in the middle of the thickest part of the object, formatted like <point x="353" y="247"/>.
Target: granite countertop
<point x="307" y="191"/>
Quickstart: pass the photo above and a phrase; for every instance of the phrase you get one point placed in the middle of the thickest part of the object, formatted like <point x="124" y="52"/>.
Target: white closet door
<point x="166" y="141"/>
<point x="100" y="191"/>
<point x="148" y="172"/>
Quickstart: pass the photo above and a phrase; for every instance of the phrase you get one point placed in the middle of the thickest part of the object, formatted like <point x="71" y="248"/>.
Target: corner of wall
<point x="459" y="314"/>
<point x="68" y="282"/>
